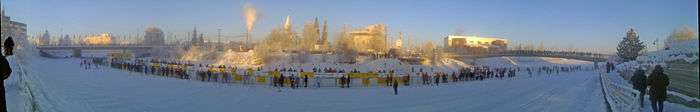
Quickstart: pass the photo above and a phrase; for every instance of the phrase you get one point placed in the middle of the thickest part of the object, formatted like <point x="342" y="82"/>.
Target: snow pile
<point x="527" y="61"/>
<point x="452" y="65"/>
<point x="245" y="59"/>
<point x="681" y="50"/>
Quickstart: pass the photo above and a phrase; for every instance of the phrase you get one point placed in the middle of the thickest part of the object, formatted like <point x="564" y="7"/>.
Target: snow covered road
<point x="64" y="86"/>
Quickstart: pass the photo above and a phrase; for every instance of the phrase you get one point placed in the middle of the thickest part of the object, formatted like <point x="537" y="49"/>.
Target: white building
<point x="454" y="41"/>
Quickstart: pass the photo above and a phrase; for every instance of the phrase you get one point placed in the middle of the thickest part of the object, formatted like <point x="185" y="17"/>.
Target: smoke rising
<point x="251" y="15"/>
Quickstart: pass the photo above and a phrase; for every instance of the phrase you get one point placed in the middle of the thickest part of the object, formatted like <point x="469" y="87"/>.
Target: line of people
<point x="90" y="64"/>
<point x="291" y="77"/>
<point x="295" y="81"/>
<point x="176" y="70"/>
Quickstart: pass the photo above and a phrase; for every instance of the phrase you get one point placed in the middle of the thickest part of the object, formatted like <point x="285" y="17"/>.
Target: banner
<point x="308" y="74"/>
<point x="381" y="80"/>
<point x="155" y="64"/>
<point x="274" y="74"/>
<point x="216" y="69"/>
<point x="237" y="77"/>
<point x="365" y="82"/>
<point x="261" y="79"/>
<point x="121" y="55"/>
<point x="362" y="75"/>
<point x="287" y="81"/>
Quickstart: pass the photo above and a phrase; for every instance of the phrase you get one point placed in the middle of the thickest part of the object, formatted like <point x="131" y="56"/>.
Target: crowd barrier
<point x="620" y="98"/>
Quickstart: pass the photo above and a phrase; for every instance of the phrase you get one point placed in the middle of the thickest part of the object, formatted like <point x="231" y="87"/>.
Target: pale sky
<point x="557" y="23"/>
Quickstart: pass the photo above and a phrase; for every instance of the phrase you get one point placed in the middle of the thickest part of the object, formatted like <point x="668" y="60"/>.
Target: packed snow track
<point x="64" y="86"/>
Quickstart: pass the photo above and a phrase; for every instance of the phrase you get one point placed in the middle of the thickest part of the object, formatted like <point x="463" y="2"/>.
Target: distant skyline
<point x="557" y="23"/>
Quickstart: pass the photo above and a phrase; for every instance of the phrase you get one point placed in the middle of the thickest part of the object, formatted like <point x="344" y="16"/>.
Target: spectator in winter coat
<point x="639" y="82"/>
<point x="5" y="71"/>
<point x="437" y="80"/>
<point x="342" y="81"/>
<point x="9" y="45"/>
<point x="306" y="81"/>
<point x="318" y="82"/>
<point x="347" y="81"/>
<point x="396" y="86"/>
<point x="293" y="82"/>
<point x="658" y="81"/>
<point x="281" y="80"/>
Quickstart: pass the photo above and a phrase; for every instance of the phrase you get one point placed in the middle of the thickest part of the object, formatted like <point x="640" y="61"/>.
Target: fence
<point x="619" y="98"/>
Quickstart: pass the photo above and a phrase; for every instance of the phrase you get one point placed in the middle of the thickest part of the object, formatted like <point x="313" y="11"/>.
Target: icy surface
<point x="66" y="87"/>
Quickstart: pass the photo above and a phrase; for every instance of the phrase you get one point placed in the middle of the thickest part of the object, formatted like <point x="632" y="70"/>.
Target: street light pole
<point x="219" y="34"/>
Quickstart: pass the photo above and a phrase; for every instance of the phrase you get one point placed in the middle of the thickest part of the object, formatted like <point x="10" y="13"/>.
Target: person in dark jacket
<point x="5" y="71"/>
<point x="9" y="45"/>
<point x="437" y="79"/>
<point x="658" y="81"/>
<point x="306" y="81"/>
<point x="639" y="82"/>
<point x="396" y="86"/>
<point x="347" y="81"/>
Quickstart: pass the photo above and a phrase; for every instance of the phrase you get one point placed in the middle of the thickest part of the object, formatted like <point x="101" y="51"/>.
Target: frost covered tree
<point x="529" y="46"/>
<point x="345" y="46"/>
<point x="428" y="50"/>
<point x="278" y="40"/>
<point x="519" y="46"/>
<point x="630" y="47"/>
<point x="379" y="41"/>
<point x="310" y="35"/>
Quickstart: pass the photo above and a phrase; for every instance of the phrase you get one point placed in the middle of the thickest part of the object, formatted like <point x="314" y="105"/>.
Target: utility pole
<point x="219" y="35"/>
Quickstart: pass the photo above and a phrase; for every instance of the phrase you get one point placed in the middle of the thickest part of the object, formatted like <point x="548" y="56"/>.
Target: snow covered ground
<point x="669" y="107"/>
<point x="61" y="85"/>
<point x="16" y="93"/>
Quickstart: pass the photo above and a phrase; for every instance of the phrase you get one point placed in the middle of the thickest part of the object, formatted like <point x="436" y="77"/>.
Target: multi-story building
<point x="196" y="38"/>
<point x="370" y="39"/>
<point x="154" y="36"/>
<point x="66" y="40"/>
<point x="45" y="38"/>
<point x="11" y="28"/>
<point x="458" y="42"/>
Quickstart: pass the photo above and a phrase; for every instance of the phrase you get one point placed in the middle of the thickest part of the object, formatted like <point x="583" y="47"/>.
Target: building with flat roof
<point x="12" y="28"/>
<point x="370" y="39"/>
<point x="153" y="36"/>
<point x="461" y="42"/>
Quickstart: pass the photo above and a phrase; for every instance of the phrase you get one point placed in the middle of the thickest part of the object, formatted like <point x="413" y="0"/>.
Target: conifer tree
<point x="630" y="47"/>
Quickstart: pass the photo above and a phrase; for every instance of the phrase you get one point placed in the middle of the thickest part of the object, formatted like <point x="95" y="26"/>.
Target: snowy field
<point x="61" y="85"/>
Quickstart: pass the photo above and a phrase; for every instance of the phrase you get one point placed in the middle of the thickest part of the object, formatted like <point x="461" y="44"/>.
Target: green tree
<point x="630" y="47"/>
